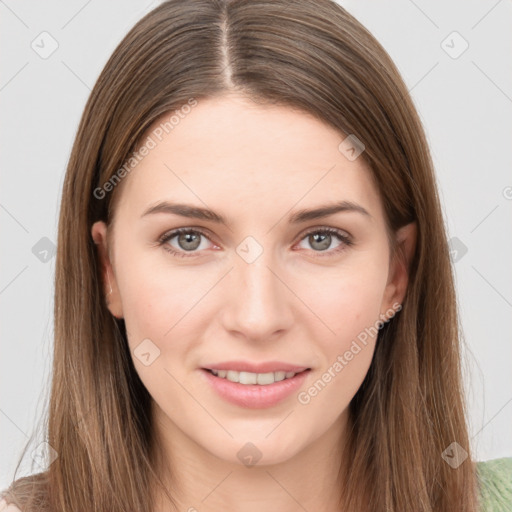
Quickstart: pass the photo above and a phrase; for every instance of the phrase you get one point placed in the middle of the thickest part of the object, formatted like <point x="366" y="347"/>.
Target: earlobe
<point x="99" y="232"/>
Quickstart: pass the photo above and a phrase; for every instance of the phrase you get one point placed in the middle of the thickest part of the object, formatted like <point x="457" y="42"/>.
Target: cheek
<point x="348" y="304"/>
<point x="162" y="303"/>
<point x="346" y="300"/>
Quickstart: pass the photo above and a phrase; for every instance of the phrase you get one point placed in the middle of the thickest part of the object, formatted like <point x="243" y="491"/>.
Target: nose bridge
<point x="258" y="304"/>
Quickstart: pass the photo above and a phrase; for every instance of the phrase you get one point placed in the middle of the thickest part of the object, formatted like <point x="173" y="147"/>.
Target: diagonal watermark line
<point x="13" y="423"/>
<point x="76" y="75"/>
<point x="492" y="81"/>
<point x="76" y="425"/>
<point x="198" y="301"/>
<point x="493" y="210"/>
<point x="312" y="187"/>
<point x="417" y="83"/>
<point x="14" y="76"/>
<point x="487" y="423"/>
<point x="217" y="486"/>
<point x="199" y="403"/>
<point x="301" y="300"/>
<point x="286" y="490"/>
<point x="3" y="3"/>
<point x="291" y="3"/>
<point x="190" y="189"/>
<point x="13" y="279"/>
<point x="280" y="423"/>
<point x="491" y="285"/>
<point x="76" y="14"/>
<point x="13" y="217"/>
<point x="146" y="9"/>
<point x="492" y="8"/>
<point x="424" y="14"/>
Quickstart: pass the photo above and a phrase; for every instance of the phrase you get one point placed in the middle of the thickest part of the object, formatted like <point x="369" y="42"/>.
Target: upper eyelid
<point x="168" y="235"/>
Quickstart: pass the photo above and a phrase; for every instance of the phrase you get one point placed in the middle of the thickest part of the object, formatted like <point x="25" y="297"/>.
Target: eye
<point x="320" y="239"/>
<point x="188" y="241"/>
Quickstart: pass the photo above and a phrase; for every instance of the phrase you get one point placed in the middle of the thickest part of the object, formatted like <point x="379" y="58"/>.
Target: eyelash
<point x="346" y="241"/>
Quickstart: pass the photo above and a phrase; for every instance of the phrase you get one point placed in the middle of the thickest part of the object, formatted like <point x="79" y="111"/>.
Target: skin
<point x="255" y="165"/>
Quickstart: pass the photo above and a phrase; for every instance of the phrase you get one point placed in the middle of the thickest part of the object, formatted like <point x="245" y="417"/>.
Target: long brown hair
<point x="310" y="55"/>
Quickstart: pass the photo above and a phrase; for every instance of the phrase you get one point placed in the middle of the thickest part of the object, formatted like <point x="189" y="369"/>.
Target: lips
<point x="259" y="395"/>
<point x="265" y="367"/>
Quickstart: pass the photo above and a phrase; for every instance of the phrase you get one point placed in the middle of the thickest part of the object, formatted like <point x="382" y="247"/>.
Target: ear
<point x="99" y="232"/>
<point x="400" y="266"/>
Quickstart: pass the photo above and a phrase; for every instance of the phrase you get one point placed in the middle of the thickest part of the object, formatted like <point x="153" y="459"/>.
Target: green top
<point x="495" y="481"/>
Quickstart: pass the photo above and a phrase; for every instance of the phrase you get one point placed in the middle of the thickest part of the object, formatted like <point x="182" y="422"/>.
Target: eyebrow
<point x="195" y="212"/>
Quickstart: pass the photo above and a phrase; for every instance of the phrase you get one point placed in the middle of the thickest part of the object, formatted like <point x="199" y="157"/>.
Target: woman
<point x="253" y="284"/>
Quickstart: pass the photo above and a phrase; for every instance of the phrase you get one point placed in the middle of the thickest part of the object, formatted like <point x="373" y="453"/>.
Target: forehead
<point x="238" y="156"/>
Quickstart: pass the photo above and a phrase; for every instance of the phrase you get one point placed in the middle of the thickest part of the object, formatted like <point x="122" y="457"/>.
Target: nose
<point x="258" y="301"/>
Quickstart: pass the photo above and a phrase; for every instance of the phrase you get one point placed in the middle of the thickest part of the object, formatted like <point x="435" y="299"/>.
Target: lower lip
<point x="255" y="396"/>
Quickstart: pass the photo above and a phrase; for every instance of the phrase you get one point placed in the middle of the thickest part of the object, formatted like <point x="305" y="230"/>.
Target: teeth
<point x="233" y="376"/>
<point x="253" y="378"/>
<point x="282" y="375"/>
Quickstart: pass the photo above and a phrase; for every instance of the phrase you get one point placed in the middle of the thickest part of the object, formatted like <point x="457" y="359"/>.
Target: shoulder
<point x="5" y="507"/>
<point x="495" y="484"/>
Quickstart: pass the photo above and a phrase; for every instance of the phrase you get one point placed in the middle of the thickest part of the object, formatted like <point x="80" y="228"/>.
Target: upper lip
<point x="265" y="367"/>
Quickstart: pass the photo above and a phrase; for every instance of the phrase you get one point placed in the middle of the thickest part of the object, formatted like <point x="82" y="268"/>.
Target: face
<point x="269" y="289"/>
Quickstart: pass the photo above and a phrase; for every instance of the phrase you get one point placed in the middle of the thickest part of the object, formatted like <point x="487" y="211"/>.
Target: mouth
<point x="250" y="378"/>
<point x="254" y="390"/>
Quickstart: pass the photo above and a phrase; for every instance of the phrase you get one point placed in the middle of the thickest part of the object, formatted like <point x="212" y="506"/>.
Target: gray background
<point x="465" y="102"/>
